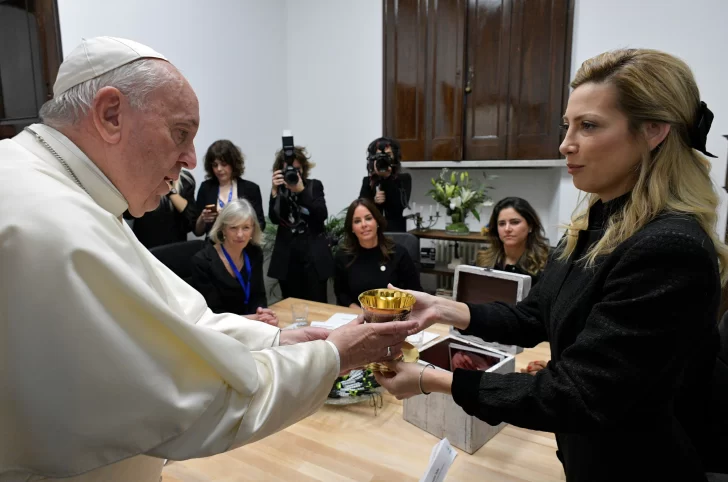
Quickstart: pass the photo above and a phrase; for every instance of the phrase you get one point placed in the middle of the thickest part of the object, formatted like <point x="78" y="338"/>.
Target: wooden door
<point x="476" y="79"/>
<point x="540" y="57"/>
<point x="486" y="81"/>
<point x="405" y="45"/>
<point x="30" y="54"/>
<point x="444" y="86"/>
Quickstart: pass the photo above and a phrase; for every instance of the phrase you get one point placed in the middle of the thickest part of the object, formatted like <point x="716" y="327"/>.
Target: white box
<point x="483" y="285"/>
<point x="438" y="414"/>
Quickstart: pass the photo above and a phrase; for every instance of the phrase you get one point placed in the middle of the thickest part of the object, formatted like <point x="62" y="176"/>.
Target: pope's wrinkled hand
<point x="360" y="343"/>
<point x="302" y="335"/>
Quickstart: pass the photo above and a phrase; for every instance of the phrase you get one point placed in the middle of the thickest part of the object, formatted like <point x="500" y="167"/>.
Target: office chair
<point x="178" y="256"/>
<point x="411" y="243"/>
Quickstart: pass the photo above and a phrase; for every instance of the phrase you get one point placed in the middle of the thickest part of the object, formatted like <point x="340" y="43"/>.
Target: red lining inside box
<point x="439" y="353"/>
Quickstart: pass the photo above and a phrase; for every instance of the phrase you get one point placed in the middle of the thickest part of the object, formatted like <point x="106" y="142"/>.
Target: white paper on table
<point x="341" y="318"/>
<point x="441" y="458"/>
<point x="427" y="337"/>
<point x="337" y="320"/>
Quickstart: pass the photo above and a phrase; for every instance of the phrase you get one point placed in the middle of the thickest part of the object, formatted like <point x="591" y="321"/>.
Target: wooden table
<point x="351" y="443"/>
<point x="472" y="237"/>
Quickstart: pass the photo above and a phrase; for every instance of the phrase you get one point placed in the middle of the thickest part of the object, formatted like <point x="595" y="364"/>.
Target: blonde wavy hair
<point x="653" y="86"/>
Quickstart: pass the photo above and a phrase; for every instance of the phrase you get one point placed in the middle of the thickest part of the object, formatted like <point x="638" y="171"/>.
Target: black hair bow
<point x="699" y="131"/>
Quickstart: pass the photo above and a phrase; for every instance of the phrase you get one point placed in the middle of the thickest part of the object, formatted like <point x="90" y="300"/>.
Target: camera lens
<point x="290" y="175"/>
<point x="382" y="162"/>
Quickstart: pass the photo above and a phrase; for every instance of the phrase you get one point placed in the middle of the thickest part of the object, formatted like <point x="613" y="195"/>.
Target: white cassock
<point x="109" y="362"/>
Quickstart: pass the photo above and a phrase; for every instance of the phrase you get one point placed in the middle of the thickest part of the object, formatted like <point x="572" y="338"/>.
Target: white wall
<point x="334" y="52"/>
<point x="539" y="186"/>
<point x="232" y="52"/>
<point x="339" y="103"/>
<point x="694" y="31"/>
<point x="315" y="66"/>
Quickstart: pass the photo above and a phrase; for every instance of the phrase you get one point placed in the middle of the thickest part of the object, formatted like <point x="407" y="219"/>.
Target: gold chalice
<point x="385" y="305"/>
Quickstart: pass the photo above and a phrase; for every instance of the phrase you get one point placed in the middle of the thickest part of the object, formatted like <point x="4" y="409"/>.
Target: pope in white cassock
<point x="109" y="362"/>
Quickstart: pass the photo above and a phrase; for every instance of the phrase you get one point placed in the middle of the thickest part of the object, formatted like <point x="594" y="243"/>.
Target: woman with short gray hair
<point x="229" y="271"/>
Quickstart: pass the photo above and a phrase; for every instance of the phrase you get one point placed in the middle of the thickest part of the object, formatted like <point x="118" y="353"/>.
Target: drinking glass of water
<point x="300" y="313"/>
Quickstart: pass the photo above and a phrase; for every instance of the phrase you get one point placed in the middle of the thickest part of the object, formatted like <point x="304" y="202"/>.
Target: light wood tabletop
<point x="351" y="443"/>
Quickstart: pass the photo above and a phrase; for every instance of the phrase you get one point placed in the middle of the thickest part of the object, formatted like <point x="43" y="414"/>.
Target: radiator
<point x="445" y="252"/>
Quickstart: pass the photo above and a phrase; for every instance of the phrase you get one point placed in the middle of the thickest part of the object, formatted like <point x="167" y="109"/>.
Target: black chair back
<point x="178" y="256"/>
<point x="715" y="450"/>
<point x="411" y="243"/>
<point x="723" y="330"/>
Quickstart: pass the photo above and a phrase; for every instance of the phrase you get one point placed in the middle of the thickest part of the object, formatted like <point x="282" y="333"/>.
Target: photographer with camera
<point x="301" y="261"/>
<point x="385" y="185"/>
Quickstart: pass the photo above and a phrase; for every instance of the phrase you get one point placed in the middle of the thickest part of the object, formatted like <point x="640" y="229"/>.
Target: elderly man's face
<point x="159" y="143"/>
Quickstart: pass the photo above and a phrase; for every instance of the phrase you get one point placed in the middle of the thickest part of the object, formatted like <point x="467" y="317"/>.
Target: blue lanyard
<point x="248" y="269"/>
<point x="230" y="196"/>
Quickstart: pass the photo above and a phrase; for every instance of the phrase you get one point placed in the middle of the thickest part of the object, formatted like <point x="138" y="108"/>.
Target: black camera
<point x="381" y="161"/>
<point x="290" y="175"/>
<point x="288" y="147"/>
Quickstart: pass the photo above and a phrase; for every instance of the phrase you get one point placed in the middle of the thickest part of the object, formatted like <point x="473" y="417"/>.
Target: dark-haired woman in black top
<point x="367" y="259"/>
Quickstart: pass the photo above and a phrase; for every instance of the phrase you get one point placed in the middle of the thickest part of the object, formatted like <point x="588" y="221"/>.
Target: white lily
<point x="456" y="202"/>
<point x="488" y="203"/>
<point x="466" y="194"/>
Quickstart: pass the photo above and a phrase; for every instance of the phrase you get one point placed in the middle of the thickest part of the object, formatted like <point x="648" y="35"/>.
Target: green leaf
<point x="476" y="214"/>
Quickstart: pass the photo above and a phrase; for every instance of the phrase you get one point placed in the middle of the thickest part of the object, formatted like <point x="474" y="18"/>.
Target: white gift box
<point x="438" y="414"/>
<point x="483" y="285"/>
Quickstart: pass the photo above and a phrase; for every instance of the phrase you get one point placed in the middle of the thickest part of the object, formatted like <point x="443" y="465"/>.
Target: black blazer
<point x="165" y="225"/>
<point x="222" y="291"/>
<point x="633" y="343"/>
<point x="516" y="268"/>
<point x="365" y="273"/>
<point x="313" y="200"/>
<point x="246" y="190"/>
<point x="396" y="198"/>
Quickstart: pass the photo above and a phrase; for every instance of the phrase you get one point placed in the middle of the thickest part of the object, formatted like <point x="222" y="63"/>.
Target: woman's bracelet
<point x="421" y="373"/>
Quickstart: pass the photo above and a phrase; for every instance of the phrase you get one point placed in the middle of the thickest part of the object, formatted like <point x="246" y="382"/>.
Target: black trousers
<point x="302" y="280"/>
<point x="397" y="225"/>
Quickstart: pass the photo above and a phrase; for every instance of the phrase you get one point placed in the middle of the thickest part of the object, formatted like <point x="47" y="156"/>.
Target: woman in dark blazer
<point x="301" y="261"/>
<point x="228" y="272"/>
<point x="224" y="166"/>
<point x="628" y="301"/>
<point x="367" y="259"/>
